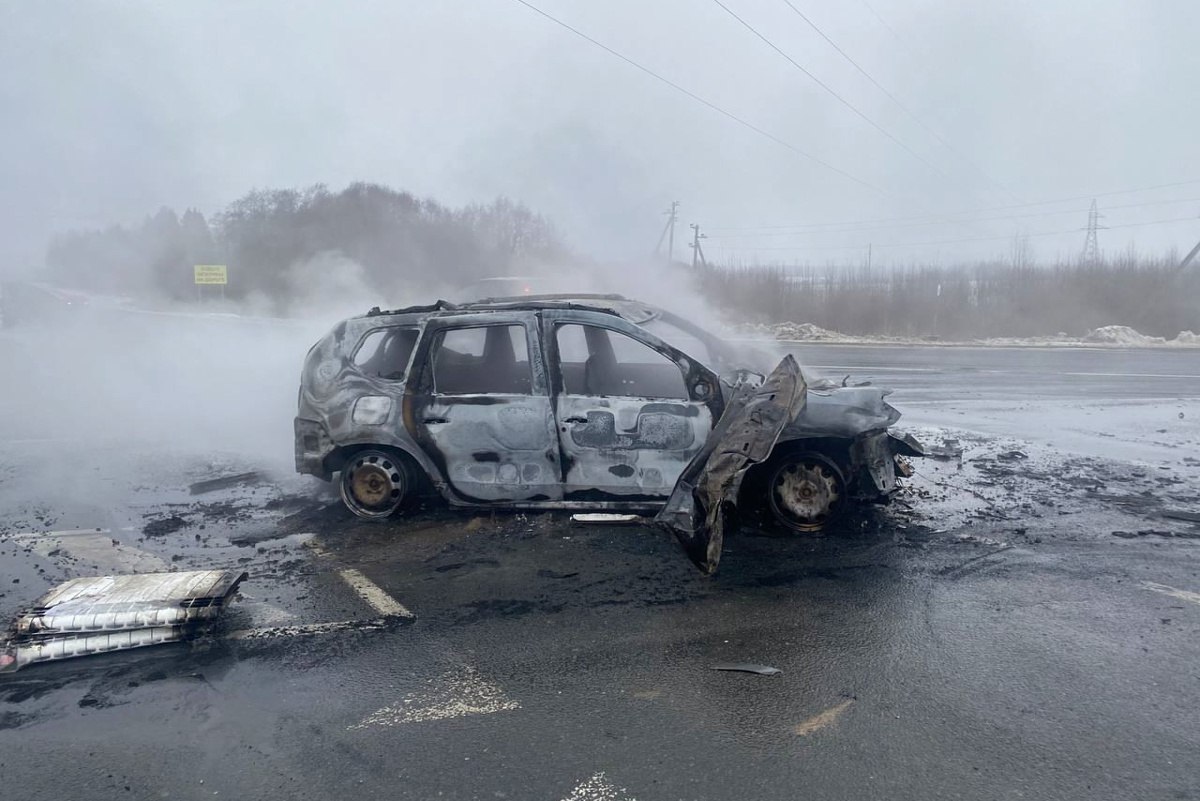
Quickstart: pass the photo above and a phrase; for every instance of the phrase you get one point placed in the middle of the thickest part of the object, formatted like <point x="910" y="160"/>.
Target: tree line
<point x="997" y="299"/>
<point x="394" y="237"/>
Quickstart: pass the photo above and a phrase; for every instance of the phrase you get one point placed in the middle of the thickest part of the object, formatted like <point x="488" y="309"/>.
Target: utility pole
<point x="669" y="232"/>
<point x="697" y="252"/>
<point x="674" y="215"/>
<point x="1091" y="248"/>
<point x="1191" y="255"/>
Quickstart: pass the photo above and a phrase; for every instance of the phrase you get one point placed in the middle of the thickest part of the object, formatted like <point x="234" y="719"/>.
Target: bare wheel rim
<point x="373" y="484"/>
<point x="804" y="494"/>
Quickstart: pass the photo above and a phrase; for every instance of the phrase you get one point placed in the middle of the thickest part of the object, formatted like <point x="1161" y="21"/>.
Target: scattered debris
<point x="605" y="517"/>
<point x="213" y="484"/>
<point x="948" y="451"/>
<point x="822" y="719"/>
<point x="748" y="667"/>
<point x="1012" y="456"/>
<point x="164" y="526"/>
<point x="112" y="613"/>
<point x="1179" y="514"/>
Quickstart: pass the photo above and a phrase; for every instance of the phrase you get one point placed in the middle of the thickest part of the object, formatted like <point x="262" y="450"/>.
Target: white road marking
<point x="369" y="591"/>
<point x="373" y="594"/>
<point x="1183" y="595"/>
<point x="272" y="632"/>
<point x="452" y="695"/>
<point x="599" y="788"/>
<point x="1134" y="375"/>
<point x="822" y="720"/>
<point x="69" y="532"/>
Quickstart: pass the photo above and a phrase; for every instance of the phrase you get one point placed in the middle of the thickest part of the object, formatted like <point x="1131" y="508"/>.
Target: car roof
<point x="631" y="310"/>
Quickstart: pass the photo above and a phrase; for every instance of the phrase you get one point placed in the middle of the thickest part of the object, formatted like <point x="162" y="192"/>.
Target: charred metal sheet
<point x="705" y="497"/>
<point x="111" y="613"/>
<point x="907" y="445"/>
<point x="873" y="455"/>
<point x="605" y="517"/>
<point x="749" y="667"/>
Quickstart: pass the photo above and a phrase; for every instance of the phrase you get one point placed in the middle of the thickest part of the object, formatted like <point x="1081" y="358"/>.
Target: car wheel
<point x="805" y="492"/>
<point x="374" y="484"/>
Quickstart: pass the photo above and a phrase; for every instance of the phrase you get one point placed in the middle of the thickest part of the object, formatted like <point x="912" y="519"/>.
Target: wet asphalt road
<point x="987" y="637"/>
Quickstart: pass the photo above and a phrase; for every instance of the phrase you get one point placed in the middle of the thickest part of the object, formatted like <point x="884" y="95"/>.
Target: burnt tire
<point x="805" y="492"/>
<point x="374" y="484"/>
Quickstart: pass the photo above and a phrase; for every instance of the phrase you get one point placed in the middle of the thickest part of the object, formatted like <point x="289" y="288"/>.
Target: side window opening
<point x="597" y="361"/>
<point x="491" y="359"/>
<point x="384" y="352"/>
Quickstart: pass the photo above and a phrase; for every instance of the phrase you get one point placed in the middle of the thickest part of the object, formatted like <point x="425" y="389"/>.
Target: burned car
<point x="589" y="402"/>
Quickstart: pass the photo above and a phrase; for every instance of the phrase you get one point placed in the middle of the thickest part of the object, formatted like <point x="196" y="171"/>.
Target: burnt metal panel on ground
<point x="111" y="613"/>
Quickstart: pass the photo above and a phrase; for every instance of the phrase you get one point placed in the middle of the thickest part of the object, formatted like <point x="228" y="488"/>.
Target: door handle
<point x="574" y="419"/>
<point x="431" y="420"/>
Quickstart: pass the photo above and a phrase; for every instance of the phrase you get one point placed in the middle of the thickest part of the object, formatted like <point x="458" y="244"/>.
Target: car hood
<point x="843" y="412"/>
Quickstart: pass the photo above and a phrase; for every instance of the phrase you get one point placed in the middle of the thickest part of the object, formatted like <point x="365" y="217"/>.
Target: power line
<point x="966" y="239"/>
<point x="972" y="211"/>
<point x="890" y="30"/>
<point x="900" y="105"/>
<point x="776" y="232"/>
<point x="702" y="101"/>
<point x="829" y="90"/>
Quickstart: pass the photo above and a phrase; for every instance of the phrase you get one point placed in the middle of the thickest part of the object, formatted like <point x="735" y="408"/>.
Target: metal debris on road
<point x="605" y="517"/>
<point x="213" y="484"/>
<point x="112" y="613"/>
<point x="748" y="667"/>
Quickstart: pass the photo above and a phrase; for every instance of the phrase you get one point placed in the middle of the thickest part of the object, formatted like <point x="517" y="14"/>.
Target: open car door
<point x="704" y="500"/>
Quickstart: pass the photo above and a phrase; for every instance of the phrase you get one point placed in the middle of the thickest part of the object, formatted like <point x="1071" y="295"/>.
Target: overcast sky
<point x="112" y="109"/>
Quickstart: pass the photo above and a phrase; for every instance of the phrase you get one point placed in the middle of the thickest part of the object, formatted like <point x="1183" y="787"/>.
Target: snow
<point x="1117" y="336"/>
<point x="1121" y="335"/>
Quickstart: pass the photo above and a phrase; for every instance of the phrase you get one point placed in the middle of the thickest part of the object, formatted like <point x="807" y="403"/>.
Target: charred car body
<point x="582" y="402"/>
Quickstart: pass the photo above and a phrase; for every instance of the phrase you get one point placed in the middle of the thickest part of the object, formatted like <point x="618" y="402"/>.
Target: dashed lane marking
<point x="373" y="594"/>
<point x="599" y="788"/>
<point x="822" y="720"/>
<point x="1183" y="595"/>
<point x="369" y="591"/>
<point x="1134" y="375"/>
<point x="455" y="694"/>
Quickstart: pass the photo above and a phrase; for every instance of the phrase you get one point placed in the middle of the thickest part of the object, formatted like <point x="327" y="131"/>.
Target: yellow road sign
<point x="212" y="274"/>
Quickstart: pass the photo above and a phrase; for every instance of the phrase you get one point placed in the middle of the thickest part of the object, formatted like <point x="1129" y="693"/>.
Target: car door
<point x="703" y="503"/>
<point x="631" y="411"/>
<point x="480" y="408"/>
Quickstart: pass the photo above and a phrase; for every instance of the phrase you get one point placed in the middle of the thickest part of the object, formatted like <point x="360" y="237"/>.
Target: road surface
<point x="989" y="636"/>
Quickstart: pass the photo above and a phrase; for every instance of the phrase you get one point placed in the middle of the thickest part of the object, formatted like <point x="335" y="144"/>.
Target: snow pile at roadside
<point x="1121" y="335"/>
<point x="1117" y="336"/>
<point x="805" y="332"/>
<point x="798" y="332"/>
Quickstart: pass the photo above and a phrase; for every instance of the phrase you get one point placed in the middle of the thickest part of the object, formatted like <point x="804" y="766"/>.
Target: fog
<point x="1002" y="124"/>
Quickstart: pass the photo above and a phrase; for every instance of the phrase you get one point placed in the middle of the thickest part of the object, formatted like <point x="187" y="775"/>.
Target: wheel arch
<point x="422" y="469"/>
<point x="833" y="451"/>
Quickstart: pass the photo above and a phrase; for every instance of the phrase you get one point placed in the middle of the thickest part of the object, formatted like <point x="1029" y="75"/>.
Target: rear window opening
<point x="385" y="352"/>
